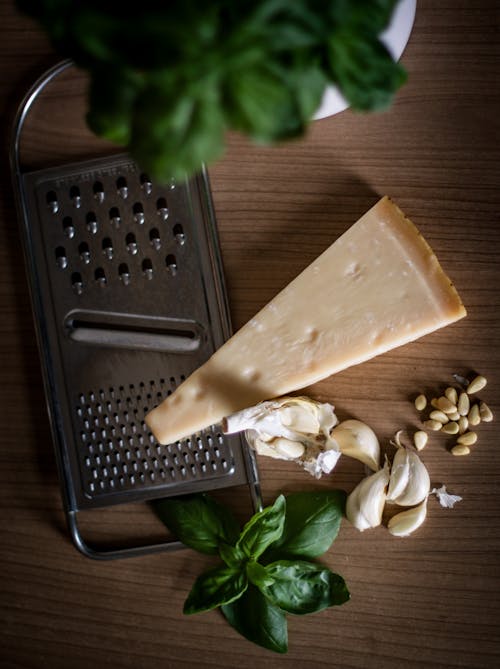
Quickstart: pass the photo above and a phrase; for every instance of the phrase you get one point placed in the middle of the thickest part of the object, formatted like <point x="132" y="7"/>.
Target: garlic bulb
<point x="365" y="504"/>
<point x="290" y="428"/>
<point x="359" y="441"/>
<point x="409" y="482"/>
<point x="406" y="522"/>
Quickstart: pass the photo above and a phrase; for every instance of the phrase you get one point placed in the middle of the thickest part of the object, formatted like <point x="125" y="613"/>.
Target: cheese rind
<point x="375" y="288"/>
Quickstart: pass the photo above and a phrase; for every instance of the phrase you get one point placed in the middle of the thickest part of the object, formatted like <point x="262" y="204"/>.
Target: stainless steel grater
<point x="128" y="296"/>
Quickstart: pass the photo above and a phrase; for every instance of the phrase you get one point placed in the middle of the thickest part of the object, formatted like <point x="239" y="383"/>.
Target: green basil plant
<point x="266" y="570"/>
<point x="168" y="79"/>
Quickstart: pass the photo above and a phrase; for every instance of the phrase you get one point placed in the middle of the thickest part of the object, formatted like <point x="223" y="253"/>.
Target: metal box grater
<point x="128" y="296"/>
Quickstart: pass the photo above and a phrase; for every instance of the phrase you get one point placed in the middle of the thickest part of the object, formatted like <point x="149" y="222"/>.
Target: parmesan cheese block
<point x="377" y="287"/>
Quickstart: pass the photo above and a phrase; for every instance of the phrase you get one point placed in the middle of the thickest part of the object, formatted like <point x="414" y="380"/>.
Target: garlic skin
<point x="290" y="428"/>
<point x="359" y="441"/>
<point x="365" y="504"/>
<point x="406" y="522"/>
<point x="409" y="482"/>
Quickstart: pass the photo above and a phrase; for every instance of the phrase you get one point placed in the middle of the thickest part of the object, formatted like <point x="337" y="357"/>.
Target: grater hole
<point x="124" y="274"/>
<point x="131" y="243"/>
<point x="114" y="217"/>
<point x="52" y="202"/>
<point x="179" y="235"/>
<point x="77" y="283"/>
<point x="154" y="238"/>
<point x="98" y="189"/>
<point x="91" y="220"/>
<point x="68" y="227"/>
<point x="107" y="248"/>
<point x="146" y="184"/>
<point x="147" y="268"/>
<point x="100" y="277"/>
<point x="138" y="211"/>
<point x="74" y="195"/>
<point x="122" y="188"/>
<point x="61" y="258"/>
<point x="162" y="208"/>
<point x="171" y="263"/>
<point x="84" y="252"/>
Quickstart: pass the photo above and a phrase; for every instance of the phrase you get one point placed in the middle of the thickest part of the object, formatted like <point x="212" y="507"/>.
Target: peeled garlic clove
<point x="365" y="504"/>
<point x="410" y="482"/>
<point x="298" y="418"/>
<point x="288" y="448"/>
<point x="263" y="447"/>
<point x="400" y="474"/>
<point x="359" y="441"/>
<point x="406" y="522"/>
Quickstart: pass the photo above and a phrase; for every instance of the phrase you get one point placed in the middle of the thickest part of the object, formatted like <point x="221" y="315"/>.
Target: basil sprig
<point x="266" y="570"/>
<point x="168" y="79"/>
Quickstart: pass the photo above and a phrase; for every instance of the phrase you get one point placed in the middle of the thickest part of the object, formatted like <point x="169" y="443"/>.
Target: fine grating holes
<point x="84" y="252"/>
<point x="146" y="184"/>
<point x="107" y="248"/>
<point x="114" y="217"/>
<point x="127" y="457"/>
<point x="131" y="244"/>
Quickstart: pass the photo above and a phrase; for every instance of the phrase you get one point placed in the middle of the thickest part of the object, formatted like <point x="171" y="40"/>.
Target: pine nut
<point x="463" y="424"/>
<point x="433" y="425"/>
<point x="477" y="384"/>
<point x="460" y="449"/>
<point x="485" y="412"/>
<point x="445" y="405"/>
<point x="450" y="428"/>
<point x="463" y="404"/>
<point x="474" y="415"/>
<point x="467" y="439"/>
<point x="451" y="394"/>
<point x="434" y="402"/>
<point x="420" y="439"/>
<point x="420" y="402"/>
<point x="454" y="416"/>
<point x="439" y="416"/>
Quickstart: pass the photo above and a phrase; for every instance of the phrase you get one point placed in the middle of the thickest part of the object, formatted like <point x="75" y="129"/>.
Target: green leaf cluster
<point x="266" y="570"/>
<point x="169" y="78"/>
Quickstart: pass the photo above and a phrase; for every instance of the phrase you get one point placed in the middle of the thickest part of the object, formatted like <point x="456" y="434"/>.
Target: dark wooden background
<point x="431" y="600"/>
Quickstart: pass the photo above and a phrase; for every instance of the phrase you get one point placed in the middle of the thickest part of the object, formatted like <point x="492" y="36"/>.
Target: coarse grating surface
<point x="129" y="300"/>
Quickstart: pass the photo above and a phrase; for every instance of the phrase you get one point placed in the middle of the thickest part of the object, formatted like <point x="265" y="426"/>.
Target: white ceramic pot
<point x="395" y="37"/>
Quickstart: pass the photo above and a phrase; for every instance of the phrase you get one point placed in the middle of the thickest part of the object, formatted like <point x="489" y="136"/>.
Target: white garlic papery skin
<point x="290" y="428"/>
<point x="358" y="441"/>
<point x="409" y="482"/>
<point x="365" y="504"/>
<point x="406" y="522"/>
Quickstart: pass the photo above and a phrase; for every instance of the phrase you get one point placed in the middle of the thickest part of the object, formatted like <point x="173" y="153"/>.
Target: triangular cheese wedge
<point x="377" y="287"/>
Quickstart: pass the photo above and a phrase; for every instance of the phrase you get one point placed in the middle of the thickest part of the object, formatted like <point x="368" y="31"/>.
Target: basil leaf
<point x="198" y="521"/>
<point x="312" y="522"/>
<point x="255" y="618"/>
<point x="258" y="575"/>
<point x="302" y="587"/>
<point x="263" y="529"/>
<point x="232" y="556"/>
<point x="363" y="69"/>
<point x="218" y="586"/>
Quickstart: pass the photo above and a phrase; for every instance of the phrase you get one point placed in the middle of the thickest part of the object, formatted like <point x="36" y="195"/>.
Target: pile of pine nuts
<point x="454" y="413"/>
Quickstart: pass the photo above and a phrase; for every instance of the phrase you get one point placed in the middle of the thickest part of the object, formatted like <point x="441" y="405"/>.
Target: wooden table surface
<point x="430" y="600"/>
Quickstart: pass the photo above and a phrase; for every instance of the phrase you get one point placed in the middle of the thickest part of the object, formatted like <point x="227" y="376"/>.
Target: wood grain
<point x="429" y="600"/>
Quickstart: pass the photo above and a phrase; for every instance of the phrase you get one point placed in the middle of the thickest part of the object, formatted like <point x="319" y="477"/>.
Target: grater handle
<point x="116" y="553"/>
